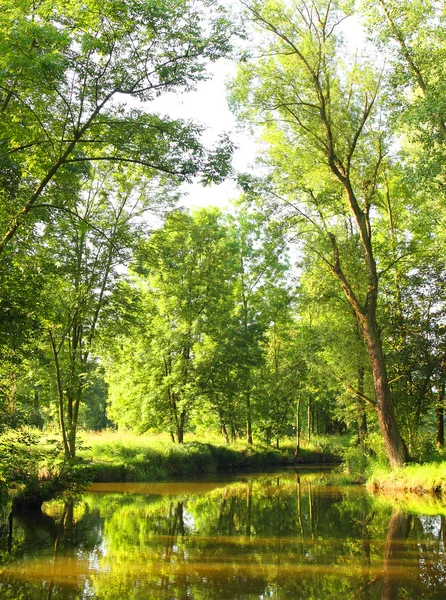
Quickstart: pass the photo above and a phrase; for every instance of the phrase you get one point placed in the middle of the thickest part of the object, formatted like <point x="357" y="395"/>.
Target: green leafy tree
<point x="183" y="270"/>
<point x="67" y="75"/>
<point x="85" y="248"/>
<point x="327" y="143"/>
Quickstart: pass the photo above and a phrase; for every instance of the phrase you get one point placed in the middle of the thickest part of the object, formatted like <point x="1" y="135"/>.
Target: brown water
<point x="281" y="536"/>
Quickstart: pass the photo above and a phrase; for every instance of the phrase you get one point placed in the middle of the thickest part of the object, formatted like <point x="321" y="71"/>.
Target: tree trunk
<point x="224" y="432"/>
<point x="309" y="420"/>
<point x="180" y="427"/>
<point x="395" y="447"/>
<point x="60" y="396"/>
<point x="439" y="413"/>
<point x="248" y="419"/>
<point x="233" y="432"/>
<point x="297" y="426"/>
<point x="366" y="317"/>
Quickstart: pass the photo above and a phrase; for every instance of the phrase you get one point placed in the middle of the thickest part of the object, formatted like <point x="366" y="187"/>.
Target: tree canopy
<point x="314" y="304"/>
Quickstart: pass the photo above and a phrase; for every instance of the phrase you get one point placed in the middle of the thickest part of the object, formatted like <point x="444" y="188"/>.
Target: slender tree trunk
<point x="309" y="420"/>
<point x="180" y="427"/>
<point x="233" y="432"/>
<point x="297" y="426"/>
<point x="60" y="396"/>
<point x="224" y="432"/>
<point x="248" y="419"/>
<point x="439" y="414"/>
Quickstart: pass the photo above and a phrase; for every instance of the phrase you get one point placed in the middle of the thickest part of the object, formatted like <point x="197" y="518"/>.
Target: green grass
<point x="420" y="479"/>
<point x="32" y="466"/>
<point x="117" y="456"/>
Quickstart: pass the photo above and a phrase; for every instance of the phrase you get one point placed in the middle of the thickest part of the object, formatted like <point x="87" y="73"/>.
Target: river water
<point x="283" y="535"/>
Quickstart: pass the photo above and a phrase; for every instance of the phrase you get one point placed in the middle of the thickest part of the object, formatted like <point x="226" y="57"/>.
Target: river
<point x="291" y="535"/>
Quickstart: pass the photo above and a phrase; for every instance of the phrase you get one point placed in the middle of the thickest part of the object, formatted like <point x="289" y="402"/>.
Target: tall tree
<point x="86" y="248"/>
<point x="323" y="126"/>
<point x="184" y="270"/>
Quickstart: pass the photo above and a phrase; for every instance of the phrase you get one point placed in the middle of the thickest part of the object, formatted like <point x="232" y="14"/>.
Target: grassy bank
<point x="125" y="457"/>
<point x="33" y="468"/>
<point x="428" y="478"/>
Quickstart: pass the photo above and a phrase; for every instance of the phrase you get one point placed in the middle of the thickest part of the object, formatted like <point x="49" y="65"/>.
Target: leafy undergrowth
<point x="33" y="468"/>
<point x="420" y="479"/>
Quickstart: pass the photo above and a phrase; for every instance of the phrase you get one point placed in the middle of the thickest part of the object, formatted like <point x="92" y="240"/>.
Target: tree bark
<point x="248" y="419"/>
<point x="309" y="420"/>
<point x="297" y="426"/>
<point x="60" y="396"/>
<point x="395" y="447"/>
<point x="439" y="414"/>
<point x="180" y="427"/>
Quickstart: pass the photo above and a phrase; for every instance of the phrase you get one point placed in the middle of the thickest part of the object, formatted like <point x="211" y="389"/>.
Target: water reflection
<point x="282" y="536"/>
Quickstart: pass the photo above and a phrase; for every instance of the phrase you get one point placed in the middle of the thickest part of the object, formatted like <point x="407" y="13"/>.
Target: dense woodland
<point x="315" y="305"/>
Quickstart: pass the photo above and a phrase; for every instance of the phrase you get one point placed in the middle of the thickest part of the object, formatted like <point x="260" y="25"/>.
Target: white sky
<point x="208" y="106"/>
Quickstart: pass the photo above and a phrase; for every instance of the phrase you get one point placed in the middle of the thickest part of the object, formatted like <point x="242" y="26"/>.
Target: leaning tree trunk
<point x="393" y="442"/>
<point x="366" y="316"/>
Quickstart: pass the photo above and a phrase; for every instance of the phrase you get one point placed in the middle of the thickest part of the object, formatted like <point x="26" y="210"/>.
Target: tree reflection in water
<point x="287" y="536"/>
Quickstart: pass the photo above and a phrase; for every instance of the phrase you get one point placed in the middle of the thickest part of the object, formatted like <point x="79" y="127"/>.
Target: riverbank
<point x="113" y="457"/>
<point x="33" y="468"/>
<point x="428" y="478"/>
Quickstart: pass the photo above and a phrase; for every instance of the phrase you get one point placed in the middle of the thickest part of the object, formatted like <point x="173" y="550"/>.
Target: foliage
<point x="308" y="317"/>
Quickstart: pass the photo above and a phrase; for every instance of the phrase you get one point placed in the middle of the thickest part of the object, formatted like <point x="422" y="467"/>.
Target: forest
<point x="313" y="306"/>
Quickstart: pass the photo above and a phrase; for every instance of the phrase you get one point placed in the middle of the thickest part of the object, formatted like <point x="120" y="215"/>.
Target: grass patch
<point x="33" y="465"/>
<point x="420" y="479"/>
<point x="116" y="456"/>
